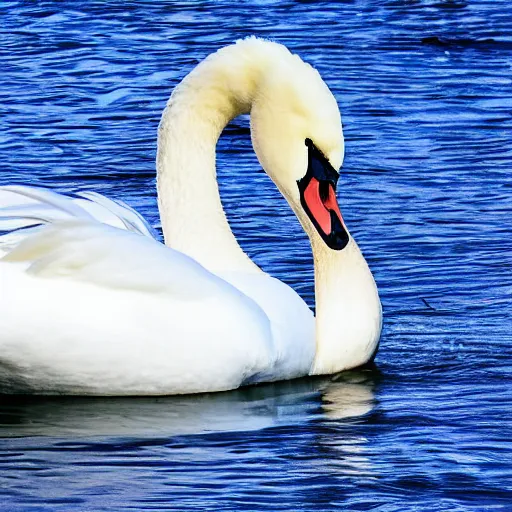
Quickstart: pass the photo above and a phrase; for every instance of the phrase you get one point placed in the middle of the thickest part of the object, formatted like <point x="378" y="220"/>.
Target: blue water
<point x="425" y="89"/>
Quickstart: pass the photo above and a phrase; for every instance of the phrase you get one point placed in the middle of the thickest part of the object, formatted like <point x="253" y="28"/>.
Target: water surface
<point x="425" y="89"/>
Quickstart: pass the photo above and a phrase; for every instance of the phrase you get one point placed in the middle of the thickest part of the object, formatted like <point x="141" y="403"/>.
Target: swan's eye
<point x="318" y="198"/>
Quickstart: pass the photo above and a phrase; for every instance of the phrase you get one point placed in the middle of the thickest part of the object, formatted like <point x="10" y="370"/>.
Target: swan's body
<point x="91" y="303"/>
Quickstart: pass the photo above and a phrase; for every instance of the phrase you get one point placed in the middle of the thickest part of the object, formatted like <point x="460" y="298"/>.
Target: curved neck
<point x="222" y="87"/>
<point x="193" y="220"/>
<point x="349" y="314"/>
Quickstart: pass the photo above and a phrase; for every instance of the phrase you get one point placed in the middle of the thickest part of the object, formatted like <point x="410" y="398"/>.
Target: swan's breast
<point x="292" y="323"/>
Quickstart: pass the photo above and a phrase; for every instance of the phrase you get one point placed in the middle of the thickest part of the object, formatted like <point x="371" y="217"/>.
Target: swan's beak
<point x="318" y="198"/>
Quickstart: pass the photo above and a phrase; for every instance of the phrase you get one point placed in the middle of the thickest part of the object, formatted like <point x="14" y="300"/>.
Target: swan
<point x="92" y="303"/>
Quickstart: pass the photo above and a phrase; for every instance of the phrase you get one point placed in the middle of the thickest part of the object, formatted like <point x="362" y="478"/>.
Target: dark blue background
<point x="425" y="90"/>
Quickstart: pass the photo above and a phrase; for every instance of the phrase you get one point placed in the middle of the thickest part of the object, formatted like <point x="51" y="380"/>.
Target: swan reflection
<point x="253" y="408"/>
<point x="348" y="396"/>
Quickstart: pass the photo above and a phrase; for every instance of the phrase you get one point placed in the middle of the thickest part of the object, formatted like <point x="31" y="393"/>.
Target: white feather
<point x="114" y="212"/>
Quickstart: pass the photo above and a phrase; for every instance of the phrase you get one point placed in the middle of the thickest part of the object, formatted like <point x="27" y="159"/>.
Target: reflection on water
<point x="192" y="450"/>
<point x="247" y="409"/>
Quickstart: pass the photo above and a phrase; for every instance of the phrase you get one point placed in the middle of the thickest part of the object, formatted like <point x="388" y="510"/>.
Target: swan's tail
<point x="24" y="210"/>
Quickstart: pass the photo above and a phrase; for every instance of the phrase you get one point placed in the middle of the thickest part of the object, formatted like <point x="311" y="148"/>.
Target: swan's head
<point x="298" y="137"/>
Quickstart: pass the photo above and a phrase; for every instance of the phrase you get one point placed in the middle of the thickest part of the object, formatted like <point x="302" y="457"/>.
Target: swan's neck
<point x="222" y="87"/>
<point x="348" y="309"/>
<point x="193" y="219"/>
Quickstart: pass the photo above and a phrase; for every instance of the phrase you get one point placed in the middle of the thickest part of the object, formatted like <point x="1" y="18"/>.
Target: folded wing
<point x="92" y="239"/>
<point x="23" y="208"/>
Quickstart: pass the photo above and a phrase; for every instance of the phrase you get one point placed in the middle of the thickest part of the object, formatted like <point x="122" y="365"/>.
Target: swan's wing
<point x="21" y="207"/>
<point x="92" y="239"/>
<point x="114" y="212"/>
<point x="99" y="254"/>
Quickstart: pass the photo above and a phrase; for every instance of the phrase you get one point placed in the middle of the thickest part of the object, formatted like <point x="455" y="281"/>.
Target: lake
<point x="425" y="91"/>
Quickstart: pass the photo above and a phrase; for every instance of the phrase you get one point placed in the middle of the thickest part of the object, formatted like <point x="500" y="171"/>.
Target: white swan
<point x="91" y="303"/>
